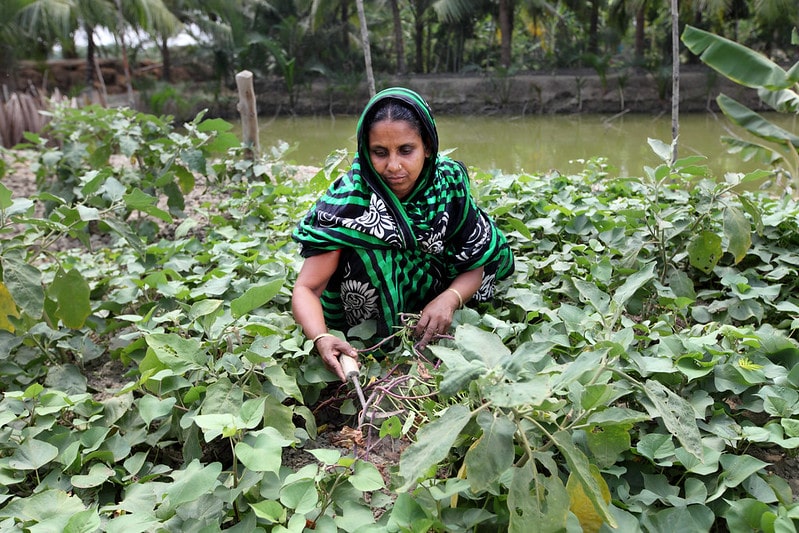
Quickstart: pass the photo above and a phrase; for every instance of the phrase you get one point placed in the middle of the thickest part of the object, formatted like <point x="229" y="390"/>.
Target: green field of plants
<point x="636" y="372"/>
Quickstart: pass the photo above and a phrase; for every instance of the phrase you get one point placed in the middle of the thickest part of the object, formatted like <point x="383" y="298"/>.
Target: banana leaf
<point x="737" y="62"/>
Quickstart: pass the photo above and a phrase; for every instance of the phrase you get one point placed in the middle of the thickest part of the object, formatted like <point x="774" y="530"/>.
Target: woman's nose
<point x="394" y="162"/>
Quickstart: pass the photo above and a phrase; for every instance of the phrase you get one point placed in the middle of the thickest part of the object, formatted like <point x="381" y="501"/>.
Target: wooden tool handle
<point x="350" y="366"/>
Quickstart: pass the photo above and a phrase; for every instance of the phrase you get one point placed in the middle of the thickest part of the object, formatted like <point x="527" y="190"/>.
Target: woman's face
<point x="398" y="154"/>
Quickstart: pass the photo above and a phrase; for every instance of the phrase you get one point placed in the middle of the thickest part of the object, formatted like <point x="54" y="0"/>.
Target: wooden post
<point x="248" y="112"/>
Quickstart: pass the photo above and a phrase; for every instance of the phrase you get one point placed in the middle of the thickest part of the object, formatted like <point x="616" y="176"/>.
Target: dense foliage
<point x="638" y="369"/>
<point x="299" y="41"/>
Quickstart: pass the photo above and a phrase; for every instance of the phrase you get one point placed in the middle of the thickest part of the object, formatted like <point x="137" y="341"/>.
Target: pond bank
<point x="578" y="91"/>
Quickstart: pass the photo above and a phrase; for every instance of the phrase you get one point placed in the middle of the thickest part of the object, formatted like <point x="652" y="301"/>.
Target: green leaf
<point x="738" y="231"/>
<point x="279" y="416"/>
<point x="218" y="424"/>
<point x="530" y="393"/>
<point x="5" y="197"/>
<point x="735" y="61"/>
<point x="518" y="225"/>
<point x="87" y="521"/>
<point x="97" y="475"/>
<point x="633" y="283"/>
<point x="67" y="377"/>
<point x="737" y="468"/>
<point x="326" y="456"/>
<point x="528" y="512"/>
<point x="195" y="160"/>
<point x="218" y="125"/>
<point x="745" y="514"/>
<point x="754" y="123"/>
<point x="204" y="308"/>
<point x="262" y="451"/>
<point x="704" y="251"/>
<point x="607" y="442"/>
<point x="24" y="283"/>
<point x="7" y="308"/>
<point x="88" y="213"/>
<point x="476" y="344"/>
<point x="269" y="510"/>
<point x="177" y="353"/>
<point x="598" y="299"/>
<point x="186" y="180"/>
<point x="32" y="454"/>
<point x="407" y="514"/>
<point x="255" y="297"/>
<point x="300" y="495"/>
<point x="661" y="149"/>
<point x="458" y="371"/>
<point x="677" y="414"/>
<point x="71" y="291"/>
<point x="141" y="201"/>
<point x="391" y="427"/>
<point x="696" y="365"/>
<point x="493" y="453"/>
<point x="580" y="468"/>
<point x="223" y="142"/>
<point x="252" y="412"/>
<point x="689" y="518"/>
<point x="49" y="510"/>
<point x="432" y="445"/>
<point x="278" y="377"/>
<point x="366" y="477"/>
<point x="151" y="407"/>
<point x="192" y="482"/>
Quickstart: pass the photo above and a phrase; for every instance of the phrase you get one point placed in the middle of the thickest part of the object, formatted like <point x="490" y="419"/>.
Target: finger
<point x="421" y="326"/>
<point x="427" y="336"/>
<point x="331" y="362"/>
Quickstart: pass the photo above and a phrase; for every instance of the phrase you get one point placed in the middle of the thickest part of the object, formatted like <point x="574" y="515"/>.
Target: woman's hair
<point x="395" y="110"/>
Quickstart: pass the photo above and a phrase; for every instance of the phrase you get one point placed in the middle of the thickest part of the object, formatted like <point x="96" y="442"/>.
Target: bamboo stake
<point x="249" y="113"/>
<point x="5" y="139"/>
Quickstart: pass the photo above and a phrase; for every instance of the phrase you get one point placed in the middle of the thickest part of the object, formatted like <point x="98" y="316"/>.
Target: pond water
<point x="534" y="143"/>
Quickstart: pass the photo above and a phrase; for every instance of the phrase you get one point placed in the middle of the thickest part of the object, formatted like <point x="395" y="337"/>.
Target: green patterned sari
<point x="396" y="256"/>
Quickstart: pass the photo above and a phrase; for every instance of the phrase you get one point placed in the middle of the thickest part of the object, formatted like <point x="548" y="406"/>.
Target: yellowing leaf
<point x="580" y="504"/>
<point x="7" y="308"/>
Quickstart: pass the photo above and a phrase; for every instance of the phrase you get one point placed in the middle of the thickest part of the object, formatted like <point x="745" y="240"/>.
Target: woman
<point x="398" y="233"/>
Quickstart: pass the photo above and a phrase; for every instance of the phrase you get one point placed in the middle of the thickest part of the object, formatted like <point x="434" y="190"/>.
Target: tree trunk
<point x="367" y="54"/>
<point x="90" y="53"/>
<point x="506" y="31"/>
<point x="125" y="63"/>
<point x="345" y="27"/>
<point x="640" y="20"/>
<point x="418" y="35"/>
<point x="166" y="59"/>
<point x="593" y="31"/>
<point x="675" y="77"/>
<point x="398" y="42"/>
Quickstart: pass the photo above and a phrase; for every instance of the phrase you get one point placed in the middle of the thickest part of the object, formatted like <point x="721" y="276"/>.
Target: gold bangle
<point x="320" y="336"/>
<point x="460" y="298"/>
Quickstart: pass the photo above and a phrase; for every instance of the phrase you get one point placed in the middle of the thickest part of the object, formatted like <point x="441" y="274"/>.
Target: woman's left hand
<point x="436" y="318"/>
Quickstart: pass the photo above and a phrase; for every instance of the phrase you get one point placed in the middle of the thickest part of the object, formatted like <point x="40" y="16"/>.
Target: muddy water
<point x="534" y="143"/>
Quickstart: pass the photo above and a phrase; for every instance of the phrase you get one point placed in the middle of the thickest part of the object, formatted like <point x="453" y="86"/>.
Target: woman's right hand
<point x="330" y="348"/>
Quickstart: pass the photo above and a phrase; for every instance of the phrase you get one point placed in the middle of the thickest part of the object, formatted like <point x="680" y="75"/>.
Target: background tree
<point x="367" y="50"/>
<point x="304" y="40"/>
